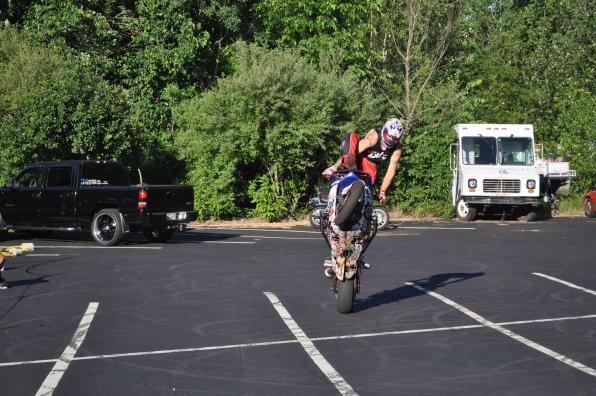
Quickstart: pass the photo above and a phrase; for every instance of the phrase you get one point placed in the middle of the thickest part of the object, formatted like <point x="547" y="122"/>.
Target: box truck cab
<point x="494" y="166"/>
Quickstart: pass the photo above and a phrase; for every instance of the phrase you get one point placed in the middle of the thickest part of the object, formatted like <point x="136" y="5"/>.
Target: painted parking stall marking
<point x="258" y="229"/>
<point x="276" y="237"/>
<point x="230" y="242"/>
<point x="53" y="378"/>
<point x="435" y="228"/>
<point x="336" y="379"/>
<point x="295" y="341"/>
<point x="565" y="283"/>
<point x="97" y="247"/>
<point x="507" y="332"/>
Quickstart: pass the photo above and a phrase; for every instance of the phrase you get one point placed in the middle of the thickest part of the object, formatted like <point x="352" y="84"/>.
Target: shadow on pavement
<point x="404" y="292"/>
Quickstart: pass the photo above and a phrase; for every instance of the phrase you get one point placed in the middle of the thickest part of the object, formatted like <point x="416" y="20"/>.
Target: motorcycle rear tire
<point x="345" y="211"/>
<point x="346" y="293"/>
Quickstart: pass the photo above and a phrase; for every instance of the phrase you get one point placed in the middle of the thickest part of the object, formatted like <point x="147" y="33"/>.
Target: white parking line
<point x="95" y="247"/>
<point x="565" y="283"/>
<point x="336" y="379"/>
<point x="275" y="237"/>
<point x="434" y="228"/>
<point x="294" y="341"/>
<point x="231" y="242"/>
<point x="51" y="381"/>
<point x="503" y="330"/>
<point x="254" y="229"/>
<point x="546" y="320"/>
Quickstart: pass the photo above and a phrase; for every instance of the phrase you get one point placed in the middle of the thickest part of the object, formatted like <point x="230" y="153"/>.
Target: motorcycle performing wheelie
<point x="348" y="226"/>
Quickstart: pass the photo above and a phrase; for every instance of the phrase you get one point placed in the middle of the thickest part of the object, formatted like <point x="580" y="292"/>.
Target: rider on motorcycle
<point x="362" y="155"/>
<point x="367" y="153"/>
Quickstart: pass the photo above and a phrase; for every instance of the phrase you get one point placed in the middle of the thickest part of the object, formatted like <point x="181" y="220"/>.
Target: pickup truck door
<point x="58" y="207"/>
<point x="22" y="201"/>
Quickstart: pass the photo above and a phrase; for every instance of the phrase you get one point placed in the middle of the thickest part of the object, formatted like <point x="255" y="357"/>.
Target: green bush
<point x="571" y="205"/>
<point x="259" y="140"/>
<point x="269" y="203"/>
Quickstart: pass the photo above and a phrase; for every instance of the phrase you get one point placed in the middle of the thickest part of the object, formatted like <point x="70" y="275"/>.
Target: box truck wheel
<point x="529" y="216"/>
<point x="464" y="211"/>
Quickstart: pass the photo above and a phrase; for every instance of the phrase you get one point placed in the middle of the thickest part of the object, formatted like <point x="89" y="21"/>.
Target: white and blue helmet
<point x="391" y="133"/>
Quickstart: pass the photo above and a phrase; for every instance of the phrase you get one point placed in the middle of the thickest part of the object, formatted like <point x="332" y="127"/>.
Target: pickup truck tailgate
<point x="169" y="198"/>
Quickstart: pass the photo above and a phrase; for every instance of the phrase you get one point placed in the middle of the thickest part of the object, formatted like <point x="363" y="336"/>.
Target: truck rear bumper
<point x="163" y="218"/>
<point x="502" y="200"/>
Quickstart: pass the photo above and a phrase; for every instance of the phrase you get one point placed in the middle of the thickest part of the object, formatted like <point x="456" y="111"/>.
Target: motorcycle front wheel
<point x="345" y="216"/>
<point x="346" y="293"/>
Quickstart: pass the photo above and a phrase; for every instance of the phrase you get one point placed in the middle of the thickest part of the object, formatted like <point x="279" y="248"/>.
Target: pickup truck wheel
<point x="107" y="227"/>
<point x="158" y="234"/>
<point x="464" y="211"/>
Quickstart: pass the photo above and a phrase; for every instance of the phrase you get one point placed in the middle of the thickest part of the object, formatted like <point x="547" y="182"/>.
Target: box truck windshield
<point x="479" y="150"/>
<point x="516" y="151"/>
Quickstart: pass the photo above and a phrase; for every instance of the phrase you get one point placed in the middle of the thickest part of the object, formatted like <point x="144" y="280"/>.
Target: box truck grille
<point x="500" y="186"/>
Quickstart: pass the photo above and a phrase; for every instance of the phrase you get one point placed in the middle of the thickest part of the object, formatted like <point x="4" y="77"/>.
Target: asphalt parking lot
<point x="449" y="308"/>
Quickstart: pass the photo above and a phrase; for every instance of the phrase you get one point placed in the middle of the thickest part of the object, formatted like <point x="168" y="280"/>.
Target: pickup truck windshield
<point x="516" y="151"/>
<point x="479" y="150"/>
<point x="103" y="174"/>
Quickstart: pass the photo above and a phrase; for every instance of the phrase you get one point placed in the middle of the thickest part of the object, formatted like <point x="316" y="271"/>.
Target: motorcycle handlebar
<point x="340" y="174"/>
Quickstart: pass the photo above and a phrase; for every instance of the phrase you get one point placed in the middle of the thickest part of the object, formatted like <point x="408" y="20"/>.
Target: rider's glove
<point x="381" y="196"/>
<point x="329" y="171"/>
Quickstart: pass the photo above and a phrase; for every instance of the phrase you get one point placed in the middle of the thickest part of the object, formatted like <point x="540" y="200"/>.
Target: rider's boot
<point x="328" y="270"/>
<point x="329" y="273"/>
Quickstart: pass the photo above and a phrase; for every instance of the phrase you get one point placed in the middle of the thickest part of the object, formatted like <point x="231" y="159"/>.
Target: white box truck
<point x="499" y="167"/>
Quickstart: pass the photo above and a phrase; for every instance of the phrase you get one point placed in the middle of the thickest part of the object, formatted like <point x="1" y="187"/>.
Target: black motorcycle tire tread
<point x="344" y="211"/>
<point x="345" y="295"/>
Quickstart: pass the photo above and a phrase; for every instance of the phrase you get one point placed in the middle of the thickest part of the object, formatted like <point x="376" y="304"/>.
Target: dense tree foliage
<point x="53" y="108"/>
<point x="262" y="133"/>
<point x="533" y="62"/>
<point x="158" y="51"/>
<point x="340" y="29"/>
<point x="247" y="99"/>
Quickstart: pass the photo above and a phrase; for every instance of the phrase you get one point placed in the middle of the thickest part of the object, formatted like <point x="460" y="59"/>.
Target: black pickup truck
<point x="95" y="196"/>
